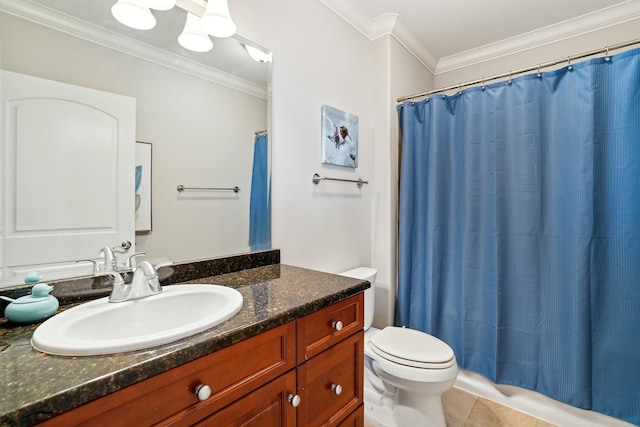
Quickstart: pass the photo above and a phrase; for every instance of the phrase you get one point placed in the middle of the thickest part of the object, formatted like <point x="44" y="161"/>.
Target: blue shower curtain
<point x="519" y="239"/>
<point x="260" y="201"/>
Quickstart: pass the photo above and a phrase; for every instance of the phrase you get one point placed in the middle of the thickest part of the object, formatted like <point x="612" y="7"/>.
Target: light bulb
<point x="217" y="19"/>
<point x="134" y="14"/>
<point x="193" y="37"/>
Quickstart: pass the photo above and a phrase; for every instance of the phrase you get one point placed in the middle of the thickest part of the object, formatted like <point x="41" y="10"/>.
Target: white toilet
<point x="406" y="371"/>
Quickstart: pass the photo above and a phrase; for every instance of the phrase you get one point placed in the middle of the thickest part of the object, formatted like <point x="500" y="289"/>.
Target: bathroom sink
<point x="103" y="327"/>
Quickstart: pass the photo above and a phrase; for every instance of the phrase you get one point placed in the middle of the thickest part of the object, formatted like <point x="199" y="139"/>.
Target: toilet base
<point x="402" y="409"/>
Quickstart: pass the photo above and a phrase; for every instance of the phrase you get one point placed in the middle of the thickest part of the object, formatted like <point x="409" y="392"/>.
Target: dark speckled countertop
<point x="36" y="386"/>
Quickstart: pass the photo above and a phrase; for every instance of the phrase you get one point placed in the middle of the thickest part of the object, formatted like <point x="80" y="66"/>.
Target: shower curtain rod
<point x="260" y="132"/>
<point x="510" y="74"/>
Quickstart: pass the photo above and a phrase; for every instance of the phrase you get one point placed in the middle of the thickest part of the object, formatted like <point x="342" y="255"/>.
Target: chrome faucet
<point x="110" y="260"/>
<point x="144" y="283"/>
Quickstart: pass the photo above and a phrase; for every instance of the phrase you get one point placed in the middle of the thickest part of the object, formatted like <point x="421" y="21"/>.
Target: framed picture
<point x="339" y="137"/>
<point x="143" y="186"/>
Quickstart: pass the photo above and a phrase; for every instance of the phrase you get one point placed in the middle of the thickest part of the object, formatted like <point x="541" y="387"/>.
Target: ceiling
<point x="445" y="34"/>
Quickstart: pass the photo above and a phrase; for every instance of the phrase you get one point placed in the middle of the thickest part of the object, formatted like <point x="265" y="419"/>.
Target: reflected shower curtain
<point x="519" y="240"/>
<point x="260" y="201"/>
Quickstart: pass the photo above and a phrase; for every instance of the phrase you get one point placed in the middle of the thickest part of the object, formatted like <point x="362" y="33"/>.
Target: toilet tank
<point x="366" y="273"/>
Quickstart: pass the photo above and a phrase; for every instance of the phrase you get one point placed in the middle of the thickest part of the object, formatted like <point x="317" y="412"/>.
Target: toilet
<point x="406" y="371"/>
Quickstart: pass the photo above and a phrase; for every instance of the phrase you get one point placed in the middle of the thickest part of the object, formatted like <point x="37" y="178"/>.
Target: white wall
<point x="318" y="59"/>
<point x="397" y="73"/>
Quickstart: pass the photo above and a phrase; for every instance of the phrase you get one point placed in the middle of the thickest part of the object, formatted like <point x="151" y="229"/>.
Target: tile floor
<point x="462" y="409"/>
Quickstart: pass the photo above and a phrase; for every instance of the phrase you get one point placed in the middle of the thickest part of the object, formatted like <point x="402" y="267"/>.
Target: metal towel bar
<point x="181" y="188"/>
<point x="317" y="178"/>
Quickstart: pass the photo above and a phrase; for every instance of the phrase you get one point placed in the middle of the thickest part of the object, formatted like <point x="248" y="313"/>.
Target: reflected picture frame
<point x="143" y="164"/>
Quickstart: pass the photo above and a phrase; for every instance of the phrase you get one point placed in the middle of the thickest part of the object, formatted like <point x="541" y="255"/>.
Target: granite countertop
<point x="36" y="386"/>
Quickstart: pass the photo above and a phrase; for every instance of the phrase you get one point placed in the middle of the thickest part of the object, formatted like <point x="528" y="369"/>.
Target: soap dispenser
<point x="32" y="308"/>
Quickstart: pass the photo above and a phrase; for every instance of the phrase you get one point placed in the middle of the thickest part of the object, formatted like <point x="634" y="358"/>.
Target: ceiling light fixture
<point x="134" y="14"/>
<point x="193" y="37"/>
<point x="217" y="19"/>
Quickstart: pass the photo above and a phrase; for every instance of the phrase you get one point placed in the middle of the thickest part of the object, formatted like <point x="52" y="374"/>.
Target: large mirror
<point x="202" y="117"/>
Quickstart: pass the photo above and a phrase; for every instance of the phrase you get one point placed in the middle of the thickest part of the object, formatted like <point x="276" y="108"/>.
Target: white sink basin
<point x="101" y="327"/>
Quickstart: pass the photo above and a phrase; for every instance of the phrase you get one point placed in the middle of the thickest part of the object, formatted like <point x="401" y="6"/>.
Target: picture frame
<point x="143" y="165"/>
<point x="339" y="137"/>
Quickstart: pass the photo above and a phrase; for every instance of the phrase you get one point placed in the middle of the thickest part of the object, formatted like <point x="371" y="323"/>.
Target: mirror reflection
<point x="203" y="119"/>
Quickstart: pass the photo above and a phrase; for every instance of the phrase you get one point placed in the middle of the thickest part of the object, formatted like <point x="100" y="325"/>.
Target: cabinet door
<point x="268" y="406"/>
<point x="330" y="384"/>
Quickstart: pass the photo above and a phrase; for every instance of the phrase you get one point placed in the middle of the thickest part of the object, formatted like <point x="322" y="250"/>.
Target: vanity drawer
<point x="317" y="331"/>
<point x="169" y="398"/>
<point x="330" y="384"/>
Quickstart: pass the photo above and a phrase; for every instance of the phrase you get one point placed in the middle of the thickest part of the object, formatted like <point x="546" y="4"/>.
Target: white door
<point x="68" y="172"/>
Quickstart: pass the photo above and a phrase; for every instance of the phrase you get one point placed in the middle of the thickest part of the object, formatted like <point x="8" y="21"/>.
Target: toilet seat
<point x="412" y="348"/>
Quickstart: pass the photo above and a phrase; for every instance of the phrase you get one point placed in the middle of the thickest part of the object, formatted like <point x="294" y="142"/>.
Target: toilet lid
<point x="412" y="348"/>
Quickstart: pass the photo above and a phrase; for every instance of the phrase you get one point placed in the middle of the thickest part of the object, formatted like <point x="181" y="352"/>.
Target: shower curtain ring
<point x="483" y="87"/>
<point x="510" y="79"/>
<point x="459" y="88"/>
<point x="539" y="73"/>
<point x="569" y="66"/>
<point x="607" y="58"/>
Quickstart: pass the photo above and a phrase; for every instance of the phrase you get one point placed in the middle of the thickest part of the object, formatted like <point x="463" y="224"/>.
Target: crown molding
<point x="613" y="15"/>
<point x="353" y="14"/>
<point x="62" y="22"/>
<point x="407" y="38"/>
<point x="383" y="25"/>
<point x="392" y="24"/>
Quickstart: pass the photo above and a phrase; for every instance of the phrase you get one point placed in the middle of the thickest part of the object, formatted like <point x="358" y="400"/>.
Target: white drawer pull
<point x="203" y="391"/>
<point x="294" y="399"/>
<point x="337" y="325"/>
<point x="336" y="388"/>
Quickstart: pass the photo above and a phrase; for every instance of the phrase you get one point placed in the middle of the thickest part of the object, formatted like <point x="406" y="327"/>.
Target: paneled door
<point x="68" y="175"/>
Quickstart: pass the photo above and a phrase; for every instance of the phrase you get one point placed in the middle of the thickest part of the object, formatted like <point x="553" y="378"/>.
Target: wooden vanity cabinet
<point x="253" y="381"/>
<point x="330" y="363"/>
<point x="169" y="398"/>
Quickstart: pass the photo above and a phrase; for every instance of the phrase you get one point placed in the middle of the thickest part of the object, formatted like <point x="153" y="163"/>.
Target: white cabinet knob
<point x="203" y="391"/>
<point x="294" y="399"/>
<point x="337" y="325"/>
<point x="336" y="388"/>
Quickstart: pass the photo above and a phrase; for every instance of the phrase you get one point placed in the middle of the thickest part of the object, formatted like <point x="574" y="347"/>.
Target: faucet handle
<point x="120" y="290"/>
<point x="129" y="262"/>
<point x="96" y="266"/>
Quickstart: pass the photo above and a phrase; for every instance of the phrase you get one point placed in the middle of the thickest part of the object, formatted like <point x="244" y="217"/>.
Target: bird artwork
<point x="341" y="129"/>
<point x="340" y="134"/>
